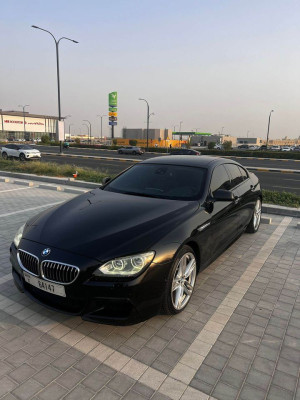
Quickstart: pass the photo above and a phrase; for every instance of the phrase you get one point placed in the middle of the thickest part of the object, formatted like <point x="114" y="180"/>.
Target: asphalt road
<point x="255" y="162"/>
<point x="269" y="180"/>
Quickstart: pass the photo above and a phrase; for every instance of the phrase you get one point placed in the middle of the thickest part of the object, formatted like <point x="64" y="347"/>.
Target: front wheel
<point x="256" y="217"/>
<point x="181" y="281"/>
<point x="22" y="157"/>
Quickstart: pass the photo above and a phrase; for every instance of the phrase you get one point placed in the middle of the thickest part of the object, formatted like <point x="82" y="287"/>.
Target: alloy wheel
<point x="183" y="281"/>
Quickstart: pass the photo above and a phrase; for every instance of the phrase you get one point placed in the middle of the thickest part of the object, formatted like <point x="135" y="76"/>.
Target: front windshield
<point x="25" y="147"/>
<point x="163" y="181"/>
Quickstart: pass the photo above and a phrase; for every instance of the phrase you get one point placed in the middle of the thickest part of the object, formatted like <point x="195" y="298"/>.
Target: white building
<point x="19" y="125"/>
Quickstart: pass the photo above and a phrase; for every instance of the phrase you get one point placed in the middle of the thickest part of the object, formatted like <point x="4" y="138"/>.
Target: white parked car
<point x="276" y="148"/>
<point x="285" y="148"/>
<point x="21" y="151"/>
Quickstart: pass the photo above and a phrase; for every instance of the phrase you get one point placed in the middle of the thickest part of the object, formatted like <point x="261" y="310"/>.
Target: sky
<point x="208" y="63"/>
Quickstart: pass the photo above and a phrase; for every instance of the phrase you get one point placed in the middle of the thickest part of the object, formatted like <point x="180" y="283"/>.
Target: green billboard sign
<point x="113" y="99"/>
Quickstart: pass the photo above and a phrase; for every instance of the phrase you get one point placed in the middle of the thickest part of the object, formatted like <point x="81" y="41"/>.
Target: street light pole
<point x="148" y="116"/>
<point x="57" y="70"/>
<point x="88" y="128"/>
<point x="70" y="130"/>
<point x="2" y="120"/>
<point x="90" y="140"/>
<point x="101" y="116"/>
<point x="269" y="127"/>
<point x="26" y="105"/>
<point x="181" y="122"/>
<point x="222" y="130"/>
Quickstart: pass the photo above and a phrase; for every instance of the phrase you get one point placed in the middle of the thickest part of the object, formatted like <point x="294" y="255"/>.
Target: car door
<point x="222" y="225"/>
<point x="11" y="150"/>
<point x="247" y="199"/>
<point x="14" y="150"/>
<point x="239" y="190"/>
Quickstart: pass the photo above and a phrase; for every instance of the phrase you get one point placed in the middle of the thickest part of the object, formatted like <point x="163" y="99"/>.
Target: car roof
<point x="190" y="161"/>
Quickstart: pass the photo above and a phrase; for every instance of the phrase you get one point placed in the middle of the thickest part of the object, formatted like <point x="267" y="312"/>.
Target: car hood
<point x="102" y="224"/>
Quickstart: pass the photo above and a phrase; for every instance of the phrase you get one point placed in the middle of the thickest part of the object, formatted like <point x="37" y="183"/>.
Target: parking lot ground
<point x="239" y="337"/>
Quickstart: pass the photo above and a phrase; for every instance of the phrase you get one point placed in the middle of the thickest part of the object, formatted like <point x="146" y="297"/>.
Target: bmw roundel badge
<point x="46" y="252"/>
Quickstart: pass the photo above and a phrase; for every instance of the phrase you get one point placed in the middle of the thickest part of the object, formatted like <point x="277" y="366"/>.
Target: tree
<point x="115" y="142"/>
<point x="211" y="145"/>
<point x="132" y="142"/>
<point x="227" y="145"/>
<point x="77" y="140"/>
<point x="45" y="139"/>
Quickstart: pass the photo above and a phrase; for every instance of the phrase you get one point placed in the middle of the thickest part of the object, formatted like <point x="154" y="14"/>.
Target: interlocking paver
<point x="238" y="338"/>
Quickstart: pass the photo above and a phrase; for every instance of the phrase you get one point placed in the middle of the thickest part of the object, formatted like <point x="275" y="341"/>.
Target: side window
<point x="8" y="146"/>
<point x="234" y="172"/>
<point x="219" y="180"/>
<point x="243" y="173"/>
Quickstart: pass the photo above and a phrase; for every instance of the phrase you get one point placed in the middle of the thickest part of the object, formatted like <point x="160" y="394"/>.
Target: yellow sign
<point x="112" y="114"/>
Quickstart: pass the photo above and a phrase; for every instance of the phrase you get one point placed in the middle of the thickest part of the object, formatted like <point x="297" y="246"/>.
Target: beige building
<point x="18" y="125"/>
<point x="141" y="134"/>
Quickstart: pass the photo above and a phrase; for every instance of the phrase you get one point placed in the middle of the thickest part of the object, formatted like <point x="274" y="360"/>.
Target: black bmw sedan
<point x="133" y="247"/>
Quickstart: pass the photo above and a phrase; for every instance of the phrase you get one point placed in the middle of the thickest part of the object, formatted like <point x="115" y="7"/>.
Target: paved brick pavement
<point x="237" y="339"/>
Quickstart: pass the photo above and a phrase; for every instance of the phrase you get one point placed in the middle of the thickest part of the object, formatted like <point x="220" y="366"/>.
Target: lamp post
<point x="26" y="105"/>
<point x="148" y="116"/>
<point x="57" y="70"/>
<point x="222" y="130"/>
<point x="101" y="116"/>
<point x="70" y="130"/>
<point x="269" y="127"/>
<point x="181" y="122"/>
<point x="67" y="116"/>
<point x="88" y="129"/>
<point x="2" y="120"/>
<point x="90" y="139"/>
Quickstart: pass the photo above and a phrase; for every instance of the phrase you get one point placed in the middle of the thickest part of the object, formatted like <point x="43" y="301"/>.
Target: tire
<point x="22" y="157"/>
<point x="120" y="152"/>
<point x="175" y="300"/>
<point x="4" y="156"/>
<point x="256" y="217"/>
<point x="134" y="153"/>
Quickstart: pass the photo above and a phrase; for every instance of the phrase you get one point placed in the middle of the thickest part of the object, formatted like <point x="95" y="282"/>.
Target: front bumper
<point x="107" y="301"/>
<point x="33" y="156"/>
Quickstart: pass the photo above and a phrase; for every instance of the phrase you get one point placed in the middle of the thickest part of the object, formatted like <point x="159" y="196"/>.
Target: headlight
<point x="19" y="235"/>
<point x="126" y="266"/>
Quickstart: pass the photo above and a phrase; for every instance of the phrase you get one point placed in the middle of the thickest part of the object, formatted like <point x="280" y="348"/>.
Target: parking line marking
<point x="30" y="209"/>
<point x="12" y="190"/>
<point x="208" y="336"/>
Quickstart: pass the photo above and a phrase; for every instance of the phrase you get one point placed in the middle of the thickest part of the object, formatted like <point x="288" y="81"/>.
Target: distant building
<point x="12" y="125"/>
<point x="252" y="141"/>
<point x="141" y="134"/>
<point x="218" y="139"/>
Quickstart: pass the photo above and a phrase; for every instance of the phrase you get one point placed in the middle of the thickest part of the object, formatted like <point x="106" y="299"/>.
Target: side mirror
<point x="223" y="195"/>
<point x="106" y="180"/>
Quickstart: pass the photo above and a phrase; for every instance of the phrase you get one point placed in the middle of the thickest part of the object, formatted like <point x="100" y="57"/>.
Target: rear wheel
<point x="4" y="156"/>
<point x="22" y="157"/>
<point x="181" y="281"/>
<point x="256" y="217"/>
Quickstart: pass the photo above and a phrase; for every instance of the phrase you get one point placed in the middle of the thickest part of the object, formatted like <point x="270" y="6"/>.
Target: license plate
<point x="48" y="287"/>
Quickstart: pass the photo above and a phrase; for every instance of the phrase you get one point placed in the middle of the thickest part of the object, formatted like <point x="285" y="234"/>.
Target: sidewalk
<point x="237" y="339"/>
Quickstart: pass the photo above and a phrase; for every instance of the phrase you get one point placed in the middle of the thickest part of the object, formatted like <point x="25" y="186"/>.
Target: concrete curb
<point x="50" y="179"/>
<point x="93" y="157"/>
<point x="283" y="171"/>
<point x="43" y="186"/>
<point x="281" y="210"/>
